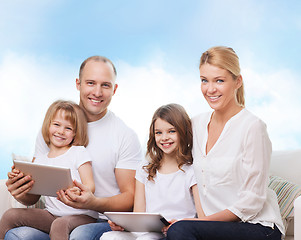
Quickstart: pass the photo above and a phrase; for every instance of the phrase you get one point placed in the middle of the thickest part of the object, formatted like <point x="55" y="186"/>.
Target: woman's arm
<point x="224" y="215"/>
<point x="86" y="175"/>
<point x="254" y="170"/>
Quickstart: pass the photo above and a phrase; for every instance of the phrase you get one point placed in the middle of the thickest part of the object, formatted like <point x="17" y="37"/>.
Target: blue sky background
<point x="155" y="46"/>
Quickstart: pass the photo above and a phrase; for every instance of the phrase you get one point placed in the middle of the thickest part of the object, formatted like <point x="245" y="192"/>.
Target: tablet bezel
<point x="138" y="221"/>
<point x="48" y="179"/>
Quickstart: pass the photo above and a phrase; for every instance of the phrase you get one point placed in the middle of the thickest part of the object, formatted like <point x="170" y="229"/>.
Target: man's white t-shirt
<point x="112" y="145"/>
<point x="169" y="194"/>
<point x="73" y="159"/>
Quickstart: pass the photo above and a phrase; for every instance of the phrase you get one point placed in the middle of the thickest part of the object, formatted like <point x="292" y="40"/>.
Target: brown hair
<point x="175" y="115"/>
<point x="74" y="114"/>
<point x="96" y="59"/>
<point x="225" y="58"/>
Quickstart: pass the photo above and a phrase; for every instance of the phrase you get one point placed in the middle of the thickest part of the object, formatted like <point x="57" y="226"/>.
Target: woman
<point x="231" y="161"/>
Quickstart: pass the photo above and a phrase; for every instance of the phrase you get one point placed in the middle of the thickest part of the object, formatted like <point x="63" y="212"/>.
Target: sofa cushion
<point x="286" y="193"/>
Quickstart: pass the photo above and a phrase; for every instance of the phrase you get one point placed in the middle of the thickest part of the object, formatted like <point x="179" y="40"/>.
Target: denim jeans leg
<point x="201" y="230"/>
<point x="26" y="233"/>
<point x="91" y="231"/>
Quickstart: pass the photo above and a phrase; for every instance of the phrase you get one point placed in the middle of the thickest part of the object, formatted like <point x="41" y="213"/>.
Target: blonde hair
<point x="74" y="114"/>
<point x="225" y="58"/>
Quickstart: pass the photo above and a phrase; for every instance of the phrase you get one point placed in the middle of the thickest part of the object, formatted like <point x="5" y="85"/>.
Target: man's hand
<point x="83" y="201"/>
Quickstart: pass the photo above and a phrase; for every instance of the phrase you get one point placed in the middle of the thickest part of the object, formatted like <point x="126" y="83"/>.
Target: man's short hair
<point x="96" y="59"/>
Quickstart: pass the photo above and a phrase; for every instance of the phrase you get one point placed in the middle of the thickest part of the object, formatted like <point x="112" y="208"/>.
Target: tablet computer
<point x="138" y="221"/>
<point x="48" y="179"/>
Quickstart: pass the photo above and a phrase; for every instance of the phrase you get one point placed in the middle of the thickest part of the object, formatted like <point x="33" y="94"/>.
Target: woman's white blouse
<point x="234" y="174"/>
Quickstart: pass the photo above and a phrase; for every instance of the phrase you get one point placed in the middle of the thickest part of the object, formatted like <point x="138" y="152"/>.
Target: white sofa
<point x="284" y="164"/>
<point x="287" y="165"/>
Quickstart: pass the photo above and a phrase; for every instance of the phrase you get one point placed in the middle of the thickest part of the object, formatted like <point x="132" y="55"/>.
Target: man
<point x="114" y="149"/>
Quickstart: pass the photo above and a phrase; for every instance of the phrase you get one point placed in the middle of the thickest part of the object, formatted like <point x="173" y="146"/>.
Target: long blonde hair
<point x="225" y="58"/>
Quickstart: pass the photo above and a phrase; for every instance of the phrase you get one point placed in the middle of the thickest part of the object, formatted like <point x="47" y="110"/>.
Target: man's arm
<point x="122" y="202"/>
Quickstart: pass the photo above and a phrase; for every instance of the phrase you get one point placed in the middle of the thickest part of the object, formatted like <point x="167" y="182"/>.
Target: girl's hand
<point x="115" y="227"/>
<point x="86" y="200"/>
<point x="75" y="190"/>
<point x="19" y="185"/>
<point x="165" y="229"/>
<point x="13" y="173"/>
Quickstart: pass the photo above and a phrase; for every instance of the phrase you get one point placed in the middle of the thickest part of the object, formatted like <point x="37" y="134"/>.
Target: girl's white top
<point x="73" y="159"/>
<point x="234" y="174"/>
<point x="169" y="194"/>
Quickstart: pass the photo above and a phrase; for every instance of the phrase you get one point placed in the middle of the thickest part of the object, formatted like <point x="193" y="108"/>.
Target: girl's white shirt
<point x="169" y="194"/>
<point x="73" y="159"/>
<point x="234" y="174"/>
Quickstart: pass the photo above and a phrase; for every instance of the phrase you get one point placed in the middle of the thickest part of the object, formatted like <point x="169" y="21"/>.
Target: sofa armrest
<point x="5" y="197"/>
<point x="297" y="218"/>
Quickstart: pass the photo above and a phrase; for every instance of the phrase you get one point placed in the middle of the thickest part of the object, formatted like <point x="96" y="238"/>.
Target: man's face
<point x="96" y="86"/>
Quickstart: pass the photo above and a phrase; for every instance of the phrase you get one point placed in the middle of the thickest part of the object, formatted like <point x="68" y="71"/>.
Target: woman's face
<point x="218" y="87"/>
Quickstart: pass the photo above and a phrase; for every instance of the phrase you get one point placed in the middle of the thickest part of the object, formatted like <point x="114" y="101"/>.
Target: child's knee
<point x="60" y="228"/>
<point x="9" y="220"/>
<point x="60" y="223"/>
<point x="11" y="215"/>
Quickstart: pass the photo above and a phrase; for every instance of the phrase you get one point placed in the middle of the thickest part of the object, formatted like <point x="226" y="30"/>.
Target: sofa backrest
<point x="287" y="164"/>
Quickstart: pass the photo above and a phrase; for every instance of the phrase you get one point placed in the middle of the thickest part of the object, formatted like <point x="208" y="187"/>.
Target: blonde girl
<point x="65" y="132"/>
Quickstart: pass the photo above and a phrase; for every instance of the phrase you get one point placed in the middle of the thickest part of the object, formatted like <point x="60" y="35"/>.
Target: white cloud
<point x="274" y="97"/>
<point x="29" y="86"/>
<point x="143" y="89"/>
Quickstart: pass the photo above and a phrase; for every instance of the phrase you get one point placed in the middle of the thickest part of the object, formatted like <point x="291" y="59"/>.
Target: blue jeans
<point x="204" y="230"/>
<point x="92" y="231"/>
<point x="26" y="233"/>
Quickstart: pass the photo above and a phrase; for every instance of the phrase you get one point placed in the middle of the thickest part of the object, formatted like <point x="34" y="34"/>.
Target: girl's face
<point x="61" y="132"/>
<point x="166" y="136"/>
<point x="218" y="87"/>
